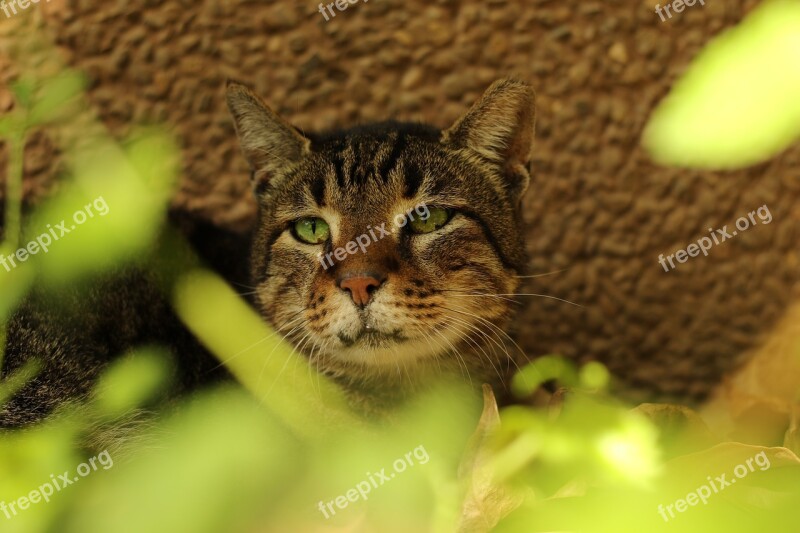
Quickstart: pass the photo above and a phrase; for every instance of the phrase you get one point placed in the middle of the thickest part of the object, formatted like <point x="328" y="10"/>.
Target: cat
<point x="420" y="301"/>
<point x="427" y="299"/>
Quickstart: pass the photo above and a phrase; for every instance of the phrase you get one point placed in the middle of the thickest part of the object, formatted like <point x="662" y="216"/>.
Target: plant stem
<point x="13" y="223"/>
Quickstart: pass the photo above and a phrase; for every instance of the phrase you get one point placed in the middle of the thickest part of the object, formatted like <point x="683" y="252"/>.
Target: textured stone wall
<point x="597" y="208"/>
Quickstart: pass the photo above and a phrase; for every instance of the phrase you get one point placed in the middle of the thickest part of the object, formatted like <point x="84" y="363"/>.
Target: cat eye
<point x="434" y="219"/>
<point x="312" y="230"/>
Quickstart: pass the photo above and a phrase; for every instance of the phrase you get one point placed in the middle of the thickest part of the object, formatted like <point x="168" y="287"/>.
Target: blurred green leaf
<point x="210" y="469"/>
<point x="54" y="97"/>
<point x="543" y="369"/>
<point x="594" y="375"/>
<point x="11" y="384"/>
<point x="259" y="358"/>
<point x="29" y="459"/>
<point x="89" y="226"/>
<point x="24" y="89"/>
<point x="14" y="282"/>
<point x="737" y="104"/>
<point x="130" y="382"/>
<point x="8" y="125"/>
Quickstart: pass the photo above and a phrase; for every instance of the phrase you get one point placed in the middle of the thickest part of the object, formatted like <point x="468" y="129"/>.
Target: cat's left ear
<point x="271" y="145"/>
<point x="499" y="128"/>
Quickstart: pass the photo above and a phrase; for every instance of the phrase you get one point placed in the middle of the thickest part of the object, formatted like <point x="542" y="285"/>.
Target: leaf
<point x="14" y="281"/>
<point x="204" y="471"/>
<point x="88" y="227"/>
<point x="54" y="96"/>
<point x="11" y="385"/>
<point x="7" y="125"/>
<point x="23" y="90"/>
<point x="269" y="367"/>
<point x="681" y="430"/>
<point x="130" y="382"/>
<point x="792" y="438"/>
<point x="739" y="101"/>
<point x="543" y="369"/>
<point x="486" y="501"/>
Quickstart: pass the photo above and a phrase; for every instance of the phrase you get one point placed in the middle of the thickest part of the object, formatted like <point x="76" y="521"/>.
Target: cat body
<point x="76" y="331"/>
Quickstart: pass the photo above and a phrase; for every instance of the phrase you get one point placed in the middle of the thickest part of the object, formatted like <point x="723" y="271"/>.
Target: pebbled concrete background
<point x="597" y="207"/>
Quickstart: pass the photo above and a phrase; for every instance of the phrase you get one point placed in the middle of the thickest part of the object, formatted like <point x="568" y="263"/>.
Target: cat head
<point x="390" y="245"/>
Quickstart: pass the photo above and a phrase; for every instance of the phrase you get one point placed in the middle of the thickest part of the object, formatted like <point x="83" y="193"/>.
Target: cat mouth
<point x="372" y="338"/>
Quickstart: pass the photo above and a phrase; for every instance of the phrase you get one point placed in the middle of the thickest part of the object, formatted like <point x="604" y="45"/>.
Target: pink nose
<point x="360" y="288"/>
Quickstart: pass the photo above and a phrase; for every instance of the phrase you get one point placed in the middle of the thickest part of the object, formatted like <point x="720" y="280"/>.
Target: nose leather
<point x="360" y="287"/>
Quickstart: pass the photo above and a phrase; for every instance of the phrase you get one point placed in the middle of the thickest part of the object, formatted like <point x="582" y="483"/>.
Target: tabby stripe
<point x="338" y="168"/>
<point x="261" y="186"/>
<point x="413" y="180"/>
<point x="317" y="190"/>
<point x="270" y="242"/>
<point x="349" y="159"/>
<point x="490" y="237"/>
<point x="393" y="158"/>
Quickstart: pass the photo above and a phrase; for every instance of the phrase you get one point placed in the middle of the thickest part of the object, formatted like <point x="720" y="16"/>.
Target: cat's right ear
<point x="271" y="145"/>
<point x="499" y="128"/>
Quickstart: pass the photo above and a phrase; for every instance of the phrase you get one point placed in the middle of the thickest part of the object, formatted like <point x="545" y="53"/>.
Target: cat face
<point x="389" y="246"/>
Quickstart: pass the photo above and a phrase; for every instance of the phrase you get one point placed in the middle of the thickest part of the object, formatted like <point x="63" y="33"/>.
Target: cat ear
<point x="499" y="127"/>
<point x="270" y="144"/>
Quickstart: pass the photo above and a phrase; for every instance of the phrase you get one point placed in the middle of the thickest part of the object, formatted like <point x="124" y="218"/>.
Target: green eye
<point x="436" y="218"/>
<point x="312" y="230"/>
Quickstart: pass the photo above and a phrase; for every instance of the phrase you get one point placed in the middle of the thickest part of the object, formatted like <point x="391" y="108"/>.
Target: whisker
<point x="497" y="328"/>
<point x="540" y="296"/>
<point x="491" y="334"/>
<point x="250" y="293"/>
<point x="498" y="296"/>
<point x="477" y="329"/>
<point x="306" y="338"/>
<point x="280" y="373"/>
<point x="321" y="347"/>
<point x="458" y="355"/>
<point x="542" y="275"/>
<point x="295" y="319"/>
<point x="428" y="339"/>
<point x="474" y="343"/>
<point x="244" y="286"/>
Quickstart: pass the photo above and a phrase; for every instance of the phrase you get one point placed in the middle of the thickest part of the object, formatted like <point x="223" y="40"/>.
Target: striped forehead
<point x="365" y="167"/>
<point x="364" y="173"/>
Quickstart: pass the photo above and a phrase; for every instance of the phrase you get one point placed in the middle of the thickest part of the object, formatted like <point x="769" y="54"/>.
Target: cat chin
<point x="394" y="355"/>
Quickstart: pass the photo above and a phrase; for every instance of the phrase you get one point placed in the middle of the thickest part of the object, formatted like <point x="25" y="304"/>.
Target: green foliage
<point x="216" y="465"/>
<point x="737" y="104"/>
<point x="129" y="383"/>
<point x="130" y="183"/>
<point x="258" y="357"/>
<point x="594" y="439"/>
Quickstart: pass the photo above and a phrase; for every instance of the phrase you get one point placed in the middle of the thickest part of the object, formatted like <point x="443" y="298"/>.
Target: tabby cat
<point x="428" y="297"/>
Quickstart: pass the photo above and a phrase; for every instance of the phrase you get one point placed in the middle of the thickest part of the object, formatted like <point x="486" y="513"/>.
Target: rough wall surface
<point x="598" y="209"/>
